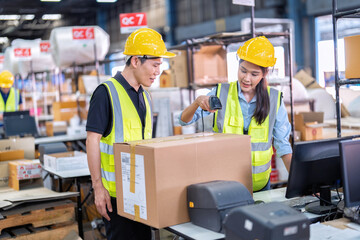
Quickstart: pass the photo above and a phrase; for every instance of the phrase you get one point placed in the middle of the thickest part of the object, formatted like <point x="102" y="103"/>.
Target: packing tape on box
<point x="133" y="163"/>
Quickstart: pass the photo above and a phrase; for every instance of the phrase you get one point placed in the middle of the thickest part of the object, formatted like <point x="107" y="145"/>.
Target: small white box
<point x="65" y="161"/>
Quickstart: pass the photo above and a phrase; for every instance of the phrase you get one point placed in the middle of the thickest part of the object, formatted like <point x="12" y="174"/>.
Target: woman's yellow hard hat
<point x="6" y="79"/>
<point x="146" y="41"/>
<point x="259" y="51"/>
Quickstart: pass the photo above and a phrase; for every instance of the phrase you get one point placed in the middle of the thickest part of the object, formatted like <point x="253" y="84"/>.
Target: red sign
<point x="22" y="52"/>
<point x="83" y="33"/>
<point x="2" y="58"/>
<point x="129" y="22"/>
<point x="45" y="47"/>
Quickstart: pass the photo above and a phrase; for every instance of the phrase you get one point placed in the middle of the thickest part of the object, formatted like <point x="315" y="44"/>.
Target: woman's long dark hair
<point x="262" y="98"/>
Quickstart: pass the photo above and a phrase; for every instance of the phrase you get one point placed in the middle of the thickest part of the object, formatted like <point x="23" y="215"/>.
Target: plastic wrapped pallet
<point x="11" y="63"/>
<point x="71" y="45"/>
<point x="38" y="60"/>
<point x="41" y="59"/>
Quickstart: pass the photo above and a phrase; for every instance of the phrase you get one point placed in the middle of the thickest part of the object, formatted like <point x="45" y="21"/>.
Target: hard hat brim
<point x="4" y="85"/>
<point x="169" y="55"/>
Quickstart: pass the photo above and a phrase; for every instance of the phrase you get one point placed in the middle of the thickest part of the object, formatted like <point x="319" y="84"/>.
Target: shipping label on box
<point x="152" y="175"/>
<point x="65" y="161"/>
<point x="134" y="190"/>
<point x="28" y="170"/>
<point x="24" y="173"/>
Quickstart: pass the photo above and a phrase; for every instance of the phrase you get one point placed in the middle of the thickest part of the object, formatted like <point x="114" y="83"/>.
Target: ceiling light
<point x="50" y="0"/>
<point x="106" y="1"/>
<point x="28" y="17"/>
<point x="9" y="17"/>
<point x="51" y="17"/>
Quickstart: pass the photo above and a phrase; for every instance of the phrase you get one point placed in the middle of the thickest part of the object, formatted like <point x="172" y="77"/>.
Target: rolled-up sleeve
<point x="197" y="114"/>
<point x="281" y="132"/>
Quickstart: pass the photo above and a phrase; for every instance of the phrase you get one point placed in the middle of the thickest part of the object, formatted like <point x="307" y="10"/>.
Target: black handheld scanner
<point x="214" y="103"/>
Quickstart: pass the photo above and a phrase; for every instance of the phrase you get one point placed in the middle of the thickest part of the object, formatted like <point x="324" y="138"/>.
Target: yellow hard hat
<point x="258" y="51"/>
<point x="146" y="41"/>
<point x="6" y="79"/>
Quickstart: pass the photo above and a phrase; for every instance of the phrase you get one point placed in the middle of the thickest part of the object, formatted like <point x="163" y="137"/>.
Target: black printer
<point x="209" y="202"/>
<point x="268" y="221"/>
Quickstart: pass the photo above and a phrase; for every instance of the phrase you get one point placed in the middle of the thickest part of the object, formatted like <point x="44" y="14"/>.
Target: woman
<point x="251" y="107"/>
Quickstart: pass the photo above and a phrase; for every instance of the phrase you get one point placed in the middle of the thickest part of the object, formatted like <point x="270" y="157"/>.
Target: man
<point x="120" y="111"/>
<point x="10" y="99"/>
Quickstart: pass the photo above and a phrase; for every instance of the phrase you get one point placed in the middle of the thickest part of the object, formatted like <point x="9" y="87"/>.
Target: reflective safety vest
<point x="230" y="120"/>
<point x="126" y="126"/>
<point x="11" y="104"/>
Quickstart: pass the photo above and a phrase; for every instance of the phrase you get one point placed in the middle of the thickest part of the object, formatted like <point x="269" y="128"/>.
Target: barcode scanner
<point x="214" y="103"/>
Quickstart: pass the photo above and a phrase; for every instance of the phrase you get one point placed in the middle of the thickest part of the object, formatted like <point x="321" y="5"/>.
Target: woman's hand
<point x="203" y="102"/>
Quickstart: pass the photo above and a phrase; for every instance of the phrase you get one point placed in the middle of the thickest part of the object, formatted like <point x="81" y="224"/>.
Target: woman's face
<point x="249" y="76"/>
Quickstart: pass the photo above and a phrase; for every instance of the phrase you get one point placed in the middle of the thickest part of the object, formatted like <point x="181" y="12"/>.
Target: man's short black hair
<point x="142" y="59"/>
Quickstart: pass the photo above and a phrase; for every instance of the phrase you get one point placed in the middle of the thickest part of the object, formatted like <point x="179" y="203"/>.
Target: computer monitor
<point x="315" y="168"/>
<point x="17" y="113"/>
<point x="20" y="126"/>
<point x="350" y="168"/>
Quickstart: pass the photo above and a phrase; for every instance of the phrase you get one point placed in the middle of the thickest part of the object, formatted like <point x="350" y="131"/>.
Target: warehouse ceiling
<point x="31" y="24"/>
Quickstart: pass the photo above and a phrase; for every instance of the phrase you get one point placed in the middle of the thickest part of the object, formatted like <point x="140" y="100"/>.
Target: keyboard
<point x="300" y="202"/>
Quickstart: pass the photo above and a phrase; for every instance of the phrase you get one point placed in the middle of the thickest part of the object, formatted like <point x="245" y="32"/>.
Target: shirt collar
<point x="241" y="95"/>
<point x="120" y="78"/>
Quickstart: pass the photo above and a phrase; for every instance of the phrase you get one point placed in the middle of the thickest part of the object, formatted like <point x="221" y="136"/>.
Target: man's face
<point x="5" y="90"/>
<point x="147" y="72"/>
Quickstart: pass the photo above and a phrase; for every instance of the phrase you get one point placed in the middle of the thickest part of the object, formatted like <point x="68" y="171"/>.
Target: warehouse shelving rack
<point x="354" y="13"/>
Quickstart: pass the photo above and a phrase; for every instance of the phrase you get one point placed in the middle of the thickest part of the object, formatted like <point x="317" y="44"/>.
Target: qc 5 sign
<point x="130" y="22"/>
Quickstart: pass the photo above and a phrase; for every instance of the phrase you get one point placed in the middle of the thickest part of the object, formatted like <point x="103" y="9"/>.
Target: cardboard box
<point x="165" y="79"/>
<point x="156" y="188"/>
<point x="27" y="144"/>
<point x="54" y="128"/>
<point x="65" y="161"/>
<point x="23" y="174"/>
<point x="306" y="79"/>
<point x="310" y="125"/>
<point x="210" y="65"/>
<point x="64" y="111"/>
<point x="352" y="53"/>
<point x="11" y="155"/>
<point x="179" y="69"/>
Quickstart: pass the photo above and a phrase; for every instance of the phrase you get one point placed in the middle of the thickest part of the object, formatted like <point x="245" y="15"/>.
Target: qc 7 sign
<point x="130" y="22"/>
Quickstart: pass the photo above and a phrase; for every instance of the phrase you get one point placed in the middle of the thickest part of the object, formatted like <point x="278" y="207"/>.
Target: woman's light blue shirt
<point x="282" y="127"/>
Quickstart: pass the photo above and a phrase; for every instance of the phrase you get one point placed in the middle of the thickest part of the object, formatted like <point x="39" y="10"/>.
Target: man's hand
<point x="102" y="201"/>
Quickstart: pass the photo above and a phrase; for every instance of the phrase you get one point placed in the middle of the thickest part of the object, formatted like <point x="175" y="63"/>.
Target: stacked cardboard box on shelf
<point x="152" y="175"/>
<point x="310" y="125"/>
<point x="210" y="65"/>
<point x="179" y="70"/>
<point x="352" y="53"/>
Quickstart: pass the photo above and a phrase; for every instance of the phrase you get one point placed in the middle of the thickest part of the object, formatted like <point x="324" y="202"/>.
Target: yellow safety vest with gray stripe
<point x="230" y="120"/>
<point x="11" y="104"/>
<point x="126" y="126"/>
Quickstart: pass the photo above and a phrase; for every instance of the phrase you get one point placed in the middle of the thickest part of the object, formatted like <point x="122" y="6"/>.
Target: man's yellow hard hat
<point x="259" y="51"/>
<point x="6" y="79"/>
<point x="146" y="41"/>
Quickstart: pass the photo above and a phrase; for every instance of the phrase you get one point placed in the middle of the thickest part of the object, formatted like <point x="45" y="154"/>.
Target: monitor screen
<point x="350" y="167"/>
<point x="20" y="126"/>
<point x="315" y="168"/>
